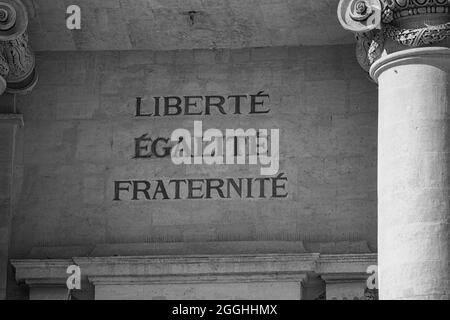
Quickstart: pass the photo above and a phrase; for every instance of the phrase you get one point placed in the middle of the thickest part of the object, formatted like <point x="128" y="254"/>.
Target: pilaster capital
<point x="385" y="26"/>
<point x="17" y="61"/>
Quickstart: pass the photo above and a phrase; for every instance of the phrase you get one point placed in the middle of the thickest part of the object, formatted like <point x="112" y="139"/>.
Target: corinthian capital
<point x="393" y="25"/>
<point x="17" y="62"/>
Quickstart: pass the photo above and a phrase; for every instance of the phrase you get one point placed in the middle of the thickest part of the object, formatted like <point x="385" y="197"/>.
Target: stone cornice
<point x="344" y="277"/>
<point x="198" y="278"/>
<point x="17" y="61"/>
<point x="345" y="263"/>
<point x="42" y="271"/>
<point x="187" y="269"/>
<point x="385" y="26"/>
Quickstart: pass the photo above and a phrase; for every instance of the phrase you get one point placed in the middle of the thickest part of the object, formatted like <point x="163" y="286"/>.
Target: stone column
<point x="17" y="75"/>
<point x="404" y="46"/>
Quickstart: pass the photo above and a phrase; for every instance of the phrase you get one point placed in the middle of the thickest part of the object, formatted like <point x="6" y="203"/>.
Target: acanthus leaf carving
<point x="385" y="20"/>
<point x="17" y="61"/>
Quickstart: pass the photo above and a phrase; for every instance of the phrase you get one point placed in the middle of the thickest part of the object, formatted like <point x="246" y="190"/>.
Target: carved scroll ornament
<point x="17" y="62"/>
<point x="403" y="21"/>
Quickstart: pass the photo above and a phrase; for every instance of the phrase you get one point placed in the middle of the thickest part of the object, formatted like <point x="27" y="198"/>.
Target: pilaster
<point x="17" y="76"/>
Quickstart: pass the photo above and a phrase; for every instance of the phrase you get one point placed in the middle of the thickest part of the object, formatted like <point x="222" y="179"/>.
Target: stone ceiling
<point x="183" y="24"/>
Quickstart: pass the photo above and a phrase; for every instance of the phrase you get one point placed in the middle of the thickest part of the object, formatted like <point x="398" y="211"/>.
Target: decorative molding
<point x="201" y="248"/>
<point x="205" y="266"/>
<point x="17" y="61"/>
<point x="198" y="278"/>
<point x="371" y="294"/>
<point x="43" y="272"/>
<point x="409" y="23"/>
<point x="187" y="269"/>
<point x="13" y="118"/>
<point x="398" y="9"/>
<point x="348" y="277"/>
<point x="440" y="56"/>
<point x="419" y="36"/>
<point x="345" y="263"/>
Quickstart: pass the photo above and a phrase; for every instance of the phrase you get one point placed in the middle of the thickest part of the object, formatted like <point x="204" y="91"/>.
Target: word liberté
<point x="202" y="105"/>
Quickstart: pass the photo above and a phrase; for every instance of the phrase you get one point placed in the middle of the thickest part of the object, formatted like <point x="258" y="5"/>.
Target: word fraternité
<point x="200" y="188"/>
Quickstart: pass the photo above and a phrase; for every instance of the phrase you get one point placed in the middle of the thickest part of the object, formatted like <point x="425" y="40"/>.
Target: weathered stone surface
<point x="166" y="25"/>
<point x="79" y="139"/>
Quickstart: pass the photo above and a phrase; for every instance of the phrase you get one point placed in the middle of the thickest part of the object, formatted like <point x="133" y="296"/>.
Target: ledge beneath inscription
<point x="153" y="276"/>
<point x="53" y="270"/>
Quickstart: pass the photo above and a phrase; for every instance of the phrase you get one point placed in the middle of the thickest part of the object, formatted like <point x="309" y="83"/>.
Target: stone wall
<point x="79" y="138"/>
